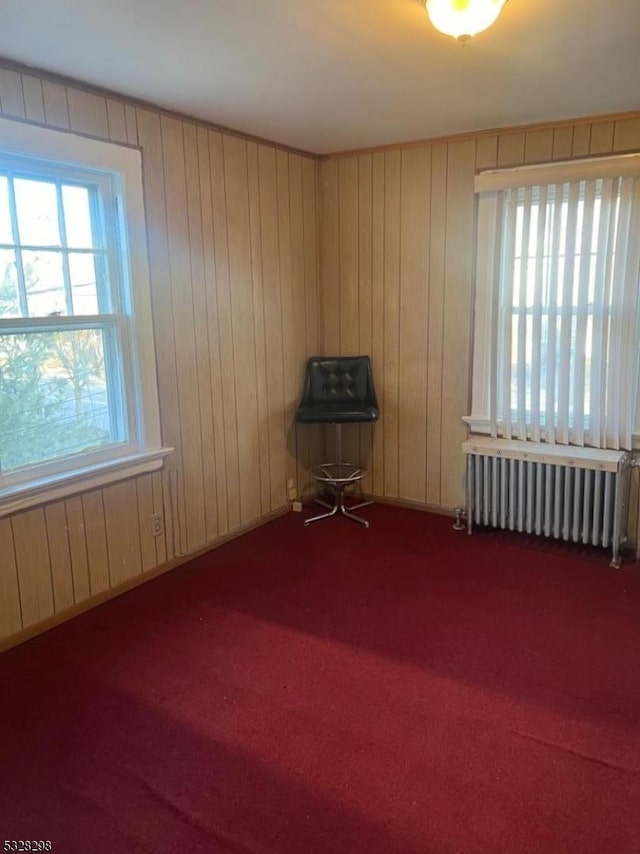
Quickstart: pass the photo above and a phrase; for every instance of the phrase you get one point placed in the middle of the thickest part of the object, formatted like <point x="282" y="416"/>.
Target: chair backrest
<point x="340" y="379"/>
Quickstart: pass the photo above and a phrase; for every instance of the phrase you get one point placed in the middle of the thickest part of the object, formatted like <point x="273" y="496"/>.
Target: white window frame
<point x="487" y="266"/>
<point x="131" y="320"/>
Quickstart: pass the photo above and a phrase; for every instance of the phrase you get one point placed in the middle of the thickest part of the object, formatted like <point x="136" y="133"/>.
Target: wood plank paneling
<point x="260" y="354"/>
<point x="192" y="529"/>
<point x="96" y="538"/>
<point x="391" y="328"/>
<point x="330" y="258"/>
<point x="123" y="534"/>
<point x="34" y="568"/>
<point x="414" y="321"/>
<point x="217" y="464"/>
<point x="78" y="549"/>
<point x="457" y="317"/>
<point x="511" y="148"/>
<point x="581" y="141"/>
<point x="602" y="138"/>
<point x="626" y="135"/>
<point x="11" y="96"/>
<point x="538" y="146"/>
<point x="116" y="121"/>
<point x="56" y="107"/>
<point x="312" y="295"/>
<point x="486" y="152"/>
<point x="311" y="260"/>
<point x="59" y="555"/>
<point x="10" y="609"/>
<point x="377" y="310"/>
<point x="365" y="294"/>
<point x="160" y="541"/>
<point x="146" y="509"/>
<point x="169" y="509"/>
<point x="153" y="167"/>
<point x="349" y="282"/>
<point x="273" y="322"/>
<point x="201" y="330"/>
<point x="291" y="385"/>
<point x="244" y="357"/>
<point x="88" y="113"/>
<point x="562" y="143"/>
<point x="297" y="330"/>
<point x="131" y="120"/>
<point x="33" y="99"/>
<point x="225" y="328"/>
<point x="435" y="334"/>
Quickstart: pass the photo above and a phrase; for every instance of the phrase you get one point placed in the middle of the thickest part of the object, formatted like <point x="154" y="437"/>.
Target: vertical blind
<point x="562" y="322"/>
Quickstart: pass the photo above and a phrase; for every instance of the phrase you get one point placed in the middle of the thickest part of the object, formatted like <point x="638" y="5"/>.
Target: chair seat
<point x="337" y="413"/>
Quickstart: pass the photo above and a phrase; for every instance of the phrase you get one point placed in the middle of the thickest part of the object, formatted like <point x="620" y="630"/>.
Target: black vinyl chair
<point x="338" y="390"/>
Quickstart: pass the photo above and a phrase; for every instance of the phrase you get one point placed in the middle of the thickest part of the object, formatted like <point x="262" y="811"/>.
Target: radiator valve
<point x="458" y="525"/>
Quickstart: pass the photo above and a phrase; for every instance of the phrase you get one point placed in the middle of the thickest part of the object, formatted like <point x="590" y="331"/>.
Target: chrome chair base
<point x="336" y="477"/>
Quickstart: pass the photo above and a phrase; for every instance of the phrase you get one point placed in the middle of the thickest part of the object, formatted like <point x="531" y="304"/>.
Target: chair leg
<point x="349" y="515"/>
<point x="361" y="504"/>
<point x="332" y="512"/>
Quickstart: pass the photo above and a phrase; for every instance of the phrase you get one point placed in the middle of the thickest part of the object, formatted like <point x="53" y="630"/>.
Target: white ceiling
<point x="332" y="75"/>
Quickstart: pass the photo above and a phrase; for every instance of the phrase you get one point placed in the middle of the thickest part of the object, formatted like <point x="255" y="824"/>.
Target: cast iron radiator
<point x="560" y="491"/>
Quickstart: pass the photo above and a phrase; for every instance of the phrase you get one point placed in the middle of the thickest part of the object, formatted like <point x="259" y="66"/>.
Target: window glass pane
<point x="6" y="235"/>
<point x="37" y="209"/>
<point x="9" y="299"/>
<point x="57" y="396"/>
<point x="83" y="283"/>
<point x="77" y="217"/>
<point x="44" y="283"/>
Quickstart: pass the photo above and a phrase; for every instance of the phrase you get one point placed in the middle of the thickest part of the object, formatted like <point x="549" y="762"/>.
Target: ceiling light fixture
<point x="463" y="19"/>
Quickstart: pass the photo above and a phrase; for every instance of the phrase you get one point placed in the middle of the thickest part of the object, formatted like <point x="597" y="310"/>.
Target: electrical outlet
<point x="156" y="524"/>
<point x="297" y="506"/>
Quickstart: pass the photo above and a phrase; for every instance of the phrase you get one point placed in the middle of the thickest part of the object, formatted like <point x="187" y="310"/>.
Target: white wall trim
<point x="560" y="172"/>
<point x="79" y="480"/>
<point x="566" y="455"/>
<point x="124" y="166"/>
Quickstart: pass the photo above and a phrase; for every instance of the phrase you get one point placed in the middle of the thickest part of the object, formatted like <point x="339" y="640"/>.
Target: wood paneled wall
<point x="397" y="257"/>
<point x="232" y="239"/>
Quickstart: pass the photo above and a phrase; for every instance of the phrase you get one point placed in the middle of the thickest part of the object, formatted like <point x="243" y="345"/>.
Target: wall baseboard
<point x="411" y="505"/>
<point x="131" y="583"/>
<point x="307" y="498"/>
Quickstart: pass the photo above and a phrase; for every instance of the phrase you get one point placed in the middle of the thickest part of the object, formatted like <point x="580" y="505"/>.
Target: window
<point x="77" y="377"/>
<point x="558" y="273"/>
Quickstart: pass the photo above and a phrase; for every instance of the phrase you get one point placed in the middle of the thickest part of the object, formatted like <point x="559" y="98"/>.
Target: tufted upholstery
<point x="338" y="389"/>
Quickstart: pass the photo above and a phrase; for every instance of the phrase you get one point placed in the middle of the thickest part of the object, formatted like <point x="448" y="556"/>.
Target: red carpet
<point x="403" y="689"/>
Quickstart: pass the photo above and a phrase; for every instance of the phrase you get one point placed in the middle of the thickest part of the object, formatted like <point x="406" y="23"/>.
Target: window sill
<point x="16" y="498"/>
<point x="478" y="424"/>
